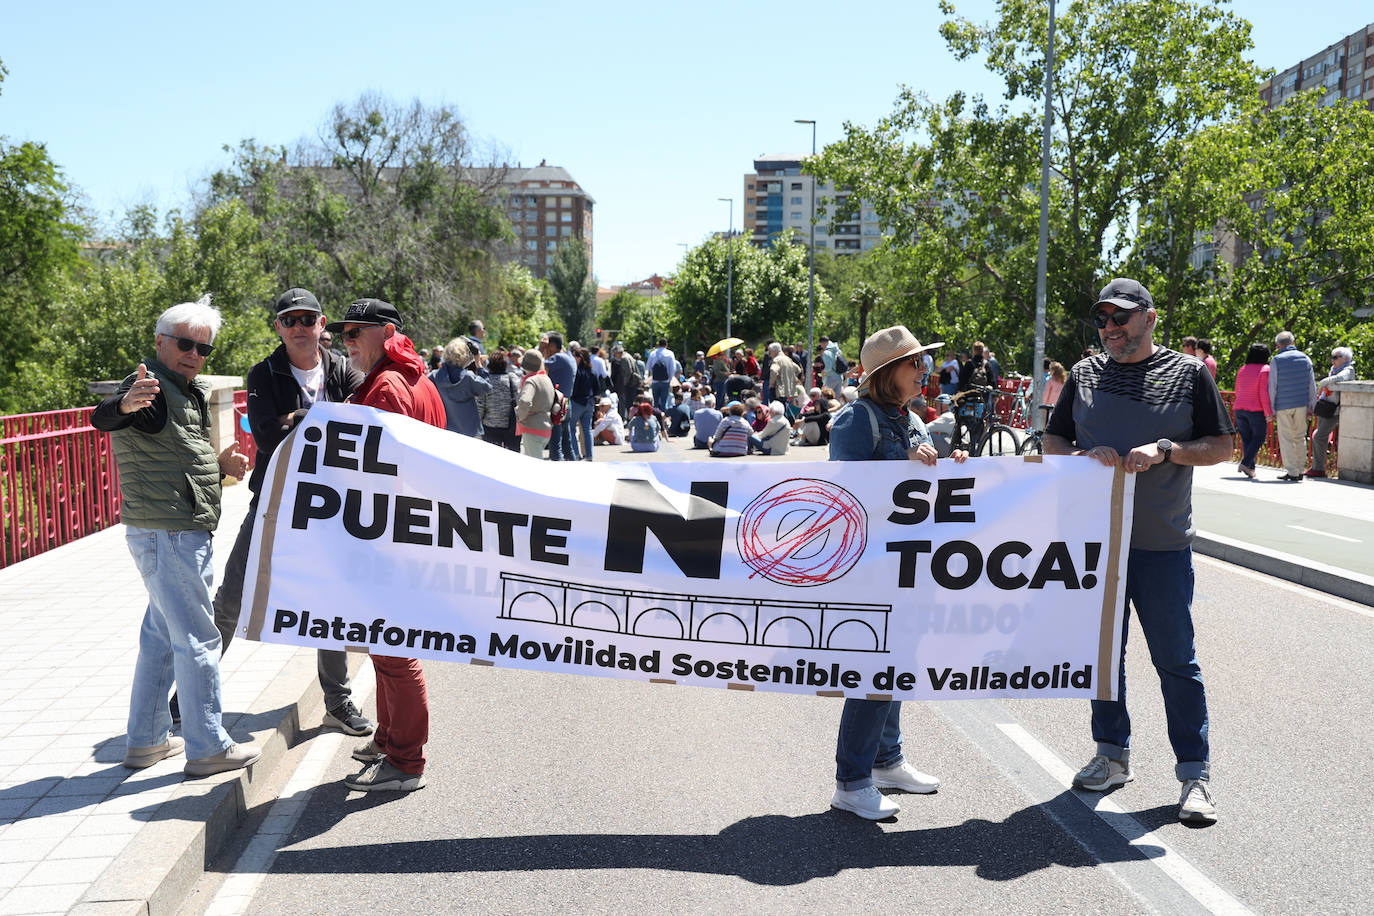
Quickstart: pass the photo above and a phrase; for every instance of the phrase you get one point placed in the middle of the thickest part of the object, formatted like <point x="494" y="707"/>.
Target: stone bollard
<point x="1356" y="452"/>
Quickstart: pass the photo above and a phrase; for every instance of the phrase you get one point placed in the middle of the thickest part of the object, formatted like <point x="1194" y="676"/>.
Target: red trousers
<point x="402" y="712"/>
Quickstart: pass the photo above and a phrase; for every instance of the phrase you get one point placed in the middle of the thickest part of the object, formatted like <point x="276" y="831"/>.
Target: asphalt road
<point x="559" y="793"/>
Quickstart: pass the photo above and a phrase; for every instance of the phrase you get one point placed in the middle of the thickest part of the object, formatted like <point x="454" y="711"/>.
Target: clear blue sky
<point x="655" y="109"/>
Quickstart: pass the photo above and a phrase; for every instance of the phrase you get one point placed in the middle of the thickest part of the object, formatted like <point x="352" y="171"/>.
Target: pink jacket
<point x="1252" y="388"/>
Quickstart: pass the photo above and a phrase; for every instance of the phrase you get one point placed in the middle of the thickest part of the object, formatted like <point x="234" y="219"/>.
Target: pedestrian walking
<point x="1293" y="394"/>
<point x="1252" y="406"/>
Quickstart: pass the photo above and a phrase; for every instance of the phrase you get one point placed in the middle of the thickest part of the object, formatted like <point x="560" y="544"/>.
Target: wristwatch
<point x="1166" y="447"/>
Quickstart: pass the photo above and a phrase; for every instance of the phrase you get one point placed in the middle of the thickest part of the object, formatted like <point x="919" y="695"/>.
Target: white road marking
<point x="1180" y="870"/>
<point x="240" y="885"/>
<point x="1326" y="534"/>
<point x="1270" y="581"/>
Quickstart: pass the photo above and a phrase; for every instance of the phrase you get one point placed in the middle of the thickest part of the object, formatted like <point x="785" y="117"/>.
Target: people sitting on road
<point x="732" y="435"/>
<point x="776" y="433"/>
<point x="678" y="416"/>
<point x="704" y="423"/>
<point x="609" y="429"/>
<point x="644" y="429"/>
<point x="814" y="422"/>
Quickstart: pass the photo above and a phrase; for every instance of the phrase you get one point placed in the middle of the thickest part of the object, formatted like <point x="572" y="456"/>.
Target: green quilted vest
<point x="171" y="479"/>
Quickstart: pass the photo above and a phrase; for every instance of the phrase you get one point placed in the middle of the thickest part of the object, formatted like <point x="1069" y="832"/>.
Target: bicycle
<point x="1034" y="444"/>
<point x="975" y="428"/>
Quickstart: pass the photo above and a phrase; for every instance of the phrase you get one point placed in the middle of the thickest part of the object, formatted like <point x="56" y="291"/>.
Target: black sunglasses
<point x="354" y="333"/>
<point x="184" y="344"/>
<point x="1118" y="318"/>
<point x="290" y="321"/>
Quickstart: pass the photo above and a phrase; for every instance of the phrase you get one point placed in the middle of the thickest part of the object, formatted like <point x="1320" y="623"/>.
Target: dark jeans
<point x="331" y="664"/>
<point x="1253" y="427"/>
<point x="870" y="736"/>
<point x="1159" y="585"/>
<point x="561" y="443"/>
<point x="504" y="436"/>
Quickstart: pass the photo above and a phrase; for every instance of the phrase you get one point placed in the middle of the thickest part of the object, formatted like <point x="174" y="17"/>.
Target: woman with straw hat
<point x="878" y="426"/>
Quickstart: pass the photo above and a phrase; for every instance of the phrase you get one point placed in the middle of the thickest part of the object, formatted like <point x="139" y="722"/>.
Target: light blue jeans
<point x="870" y="736"/>
<point x="178" y="640"/>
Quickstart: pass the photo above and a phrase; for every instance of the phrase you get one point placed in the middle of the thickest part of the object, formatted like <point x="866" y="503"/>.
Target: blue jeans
<point x="1253" y="428"/>
<point x="580" y="419"/>
<point x="178" y="640"/>
<point x="561" y="446"/>
<point x="662" y="394"/>
<point x="1159" y="585"/>
<point x="870" y="736"/>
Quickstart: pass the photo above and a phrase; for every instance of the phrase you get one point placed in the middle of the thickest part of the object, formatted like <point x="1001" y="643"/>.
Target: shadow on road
<point x="770" y="849"/>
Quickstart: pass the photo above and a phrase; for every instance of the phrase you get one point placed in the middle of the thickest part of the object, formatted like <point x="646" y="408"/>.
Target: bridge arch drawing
<point x="832" y="625"/>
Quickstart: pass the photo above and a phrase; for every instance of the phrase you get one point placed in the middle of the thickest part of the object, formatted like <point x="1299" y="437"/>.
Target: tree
<point x="387" y="202"/>
<point x="768" y="299"/>
<point x="957" y="181"/>
<point x="574" y="290"/>
<point x="633" y="317"/>
<point x="39" y="240"/>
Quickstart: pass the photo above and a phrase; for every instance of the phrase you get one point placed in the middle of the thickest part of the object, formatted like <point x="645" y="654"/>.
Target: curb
<point x="1332" y="580"/>
<point x="167" y="857"/>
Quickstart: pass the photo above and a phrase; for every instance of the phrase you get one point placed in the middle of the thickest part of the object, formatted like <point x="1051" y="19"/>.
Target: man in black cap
<point x="281" y="389"/>
<point x="1157" y="414"/>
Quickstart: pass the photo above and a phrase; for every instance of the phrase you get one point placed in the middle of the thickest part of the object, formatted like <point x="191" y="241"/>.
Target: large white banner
<point x="1000" y="577"/>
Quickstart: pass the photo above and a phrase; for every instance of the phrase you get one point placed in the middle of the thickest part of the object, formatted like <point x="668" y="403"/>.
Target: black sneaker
<point x="175" y="709"/>
<point x="346" y="718"/>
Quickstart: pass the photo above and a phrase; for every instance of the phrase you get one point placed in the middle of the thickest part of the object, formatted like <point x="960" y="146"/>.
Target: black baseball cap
<point x="1124" y="294"/>
<point x="367" y="311"/>
<point x="296" y="299"/>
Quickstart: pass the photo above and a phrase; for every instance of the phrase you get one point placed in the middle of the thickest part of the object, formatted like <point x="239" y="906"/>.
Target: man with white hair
<point x="159" y="421"/>
<point x="1293" y="394"/>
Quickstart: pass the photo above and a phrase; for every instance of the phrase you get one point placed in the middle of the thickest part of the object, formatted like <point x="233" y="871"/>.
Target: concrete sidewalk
<point x="80" y="833"/>
<point x="1317" y="533"/>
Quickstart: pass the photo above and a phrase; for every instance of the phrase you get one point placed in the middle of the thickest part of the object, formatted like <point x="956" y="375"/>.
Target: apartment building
<point x="1344" y="70"/>
<point x="777" y="196"/>
<point x="546" y="207"/>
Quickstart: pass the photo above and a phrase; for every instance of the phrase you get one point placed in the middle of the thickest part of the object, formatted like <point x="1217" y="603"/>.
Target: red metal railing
<point x="58" y="480"/>
<point x="1269" y="451"/>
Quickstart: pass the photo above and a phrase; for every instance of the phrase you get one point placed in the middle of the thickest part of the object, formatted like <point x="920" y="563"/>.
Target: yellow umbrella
<point x="725" y="344"/>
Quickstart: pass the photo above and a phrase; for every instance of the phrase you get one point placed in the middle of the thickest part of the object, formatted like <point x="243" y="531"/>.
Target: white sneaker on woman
<point x="905" y="777"/>
<point x="867" y="802"/>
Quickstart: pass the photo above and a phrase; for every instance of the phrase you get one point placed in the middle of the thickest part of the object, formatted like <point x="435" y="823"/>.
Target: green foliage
<point x="768" y="299"/>
<point x="957" y="182"/>
<point x="574" y="290"/>
<point x="38" y="249"/>
<point x="635" y="317"/>
<point x="526" y="309"/>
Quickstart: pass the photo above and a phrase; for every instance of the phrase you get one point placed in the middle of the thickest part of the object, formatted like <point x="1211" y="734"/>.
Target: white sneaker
<point x="1195" y="804"/>
<point x="867" y="802"/>
<point x="905" y="777"/>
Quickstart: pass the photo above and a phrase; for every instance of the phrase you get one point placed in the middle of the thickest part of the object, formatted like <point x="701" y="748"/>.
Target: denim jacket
<point x="851" y="432"/>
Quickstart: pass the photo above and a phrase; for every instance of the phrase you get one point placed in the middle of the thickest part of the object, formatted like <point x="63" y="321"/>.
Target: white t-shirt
<point x="311" y="382"/>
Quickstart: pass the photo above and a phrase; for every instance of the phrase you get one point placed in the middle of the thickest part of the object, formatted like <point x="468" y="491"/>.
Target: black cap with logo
<point x="298" y="300"/>
<point x="367" y="311"/>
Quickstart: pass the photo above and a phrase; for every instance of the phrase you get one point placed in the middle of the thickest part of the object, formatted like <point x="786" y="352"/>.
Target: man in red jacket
<point x="396" y="382"/>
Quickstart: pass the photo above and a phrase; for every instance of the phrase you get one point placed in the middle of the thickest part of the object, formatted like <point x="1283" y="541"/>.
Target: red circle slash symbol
<point x="802" y="532"/>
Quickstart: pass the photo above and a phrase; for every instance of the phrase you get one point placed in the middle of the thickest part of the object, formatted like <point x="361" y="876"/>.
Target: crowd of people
<point x="1138" y="405"/>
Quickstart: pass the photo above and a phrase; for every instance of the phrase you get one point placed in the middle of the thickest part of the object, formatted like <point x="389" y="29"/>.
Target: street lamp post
<point x="811" y="267"/>
<point x="1037" y="370"/>
<point x="730" y="262"/>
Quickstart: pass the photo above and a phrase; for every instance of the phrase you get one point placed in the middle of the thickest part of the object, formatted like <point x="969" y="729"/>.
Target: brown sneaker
<point x="138" y="758"/>
<point x="233" y="757"/>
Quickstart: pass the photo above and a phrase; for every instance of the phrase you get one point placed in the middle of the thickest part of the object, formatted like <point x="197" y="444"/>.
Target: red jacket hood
<point x="399" y="356"/>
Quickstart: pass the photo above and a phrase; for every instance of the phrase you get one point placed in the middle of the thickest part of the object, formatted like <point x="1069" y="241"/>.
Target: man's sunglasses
<point x="184" y="344"/>
<point x="355" y="333"/>
<point x="290" y="321"/>
<point x="1117" y="318"/>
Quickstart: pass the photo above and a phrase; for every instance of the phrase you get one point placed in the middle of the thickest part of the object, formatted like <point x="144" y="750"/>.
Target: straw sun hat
<point x="888" y="346"/>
